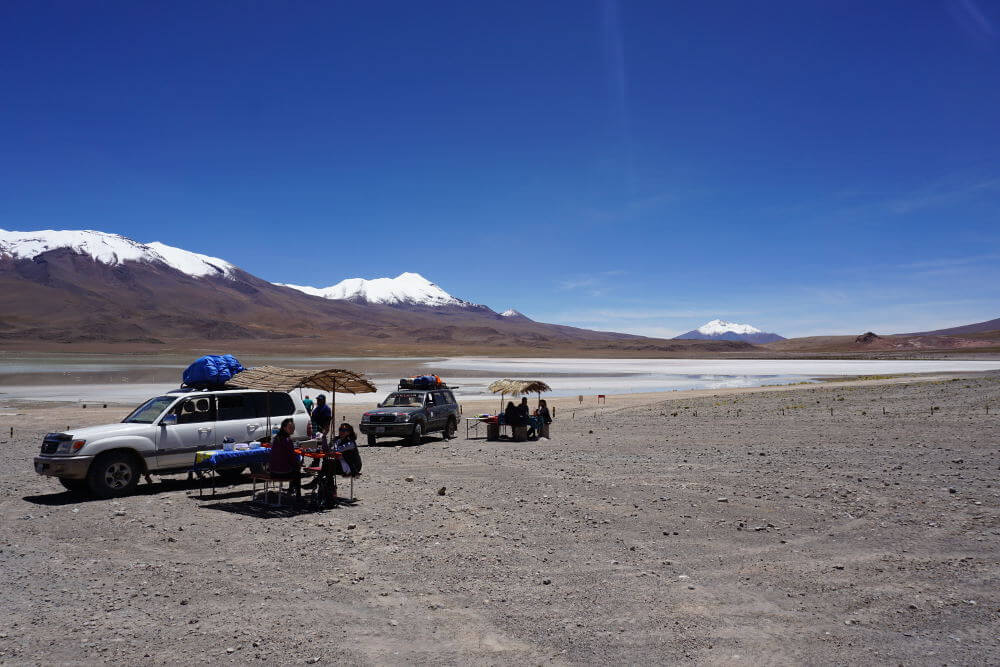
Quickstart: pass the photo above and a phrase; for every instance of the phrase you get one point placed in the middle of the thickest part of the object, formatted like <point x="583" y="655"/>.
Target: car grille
<point x="51" y="442"/>
<point x="383" y="419"/>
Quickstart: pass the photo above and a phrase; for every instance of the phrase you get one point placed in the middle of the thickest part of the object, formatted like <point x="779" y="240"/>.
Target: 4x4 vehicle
<point x="161" y="436"/>
<point x="410" y="413"/>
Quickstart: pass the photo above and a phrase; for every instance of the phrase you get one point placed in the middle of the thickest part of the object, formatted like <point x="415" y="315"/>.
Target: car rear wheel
<point x="113" y="474"/>
<point x="74" y="485"/>
<point x="450" y="428"/>
<point x="417" y="436"/>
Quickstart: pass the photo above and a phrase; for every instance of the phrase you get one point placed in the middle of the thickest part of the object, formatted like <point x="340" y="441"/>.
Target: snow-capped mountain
<point x="111" y="249"/>
<point x="722" y="330"/>
<point x="410" y="289"/>
<point x="515" y="315"/>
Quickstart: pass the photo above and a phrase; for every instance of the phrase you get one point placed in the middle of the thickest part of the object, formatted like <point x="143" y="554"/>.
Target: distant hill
<point x="722" y="330"/>
<point x="978" y="327"/>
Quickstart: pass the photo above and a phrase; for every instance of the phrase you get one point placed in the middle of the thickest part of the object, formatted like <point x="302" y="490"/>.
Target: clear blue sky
<point x="807" y="167"/>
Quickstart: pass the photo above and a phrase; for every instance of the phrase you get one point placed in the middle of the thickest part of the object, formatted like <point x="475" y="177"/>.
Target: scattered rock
<point x="442" y="491"/>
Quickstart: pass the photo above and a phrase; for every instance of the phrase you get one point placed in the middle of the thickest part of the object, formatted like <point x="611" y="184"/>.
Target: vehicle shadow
<point x="404" y="442"/>
<point x="192" y="486"/>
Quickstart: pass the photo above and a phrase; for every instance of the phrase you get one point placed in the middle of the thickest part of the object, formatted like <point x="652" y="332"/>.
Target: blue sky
<point x="807" y="167"/>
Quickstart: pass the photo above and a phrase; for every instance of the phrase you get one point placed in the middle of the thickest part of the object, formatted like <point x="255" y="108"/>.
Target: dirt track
<point x="748" y="528"/>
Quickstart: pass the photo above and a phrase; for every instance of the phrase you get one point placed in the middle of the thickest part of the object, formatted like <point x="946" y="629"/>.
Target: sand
<point x="736" y="527"/>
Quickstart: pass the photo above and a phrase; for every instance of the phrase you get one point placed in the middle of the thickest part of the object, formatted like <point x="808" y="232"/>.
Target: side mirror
<point x="169" y="420"/>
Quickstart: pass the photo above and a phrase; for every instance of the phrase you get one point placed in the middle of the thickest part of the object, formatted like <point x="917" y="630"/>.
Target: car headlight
<point x="366" y="417"/>
<point x="402" y="416"/>
<point x="70" y="446"/>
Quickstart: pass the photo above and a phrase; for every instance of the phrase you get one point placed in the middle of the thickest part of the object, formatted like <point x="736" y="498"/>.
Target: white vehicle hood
<point x="94" y="433"/>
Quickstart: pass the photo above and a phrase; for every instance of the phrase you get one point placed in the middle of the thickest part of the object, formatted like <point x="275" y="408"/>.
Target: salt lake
<point x="129" y="379"/>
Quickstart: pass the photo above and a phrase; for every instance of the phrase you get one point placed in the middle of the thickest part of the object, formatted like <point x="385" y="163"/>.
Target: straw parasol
<point x="274" y="378"/>
<point x="518" y="387"/>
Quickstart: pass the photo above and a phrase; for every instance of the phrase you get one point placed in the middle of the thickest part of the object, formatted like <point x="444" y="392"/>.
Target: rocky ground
<point x="742" y="527"/>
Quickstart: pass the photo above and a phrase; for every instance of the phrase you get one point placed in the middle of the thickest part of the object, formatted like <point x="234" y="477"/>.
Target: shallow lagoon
<point x="118" y="379"/>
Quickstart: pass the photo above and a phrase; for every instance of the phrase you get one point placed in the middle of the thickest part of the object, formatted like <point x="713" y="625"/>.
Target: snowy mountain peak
<point x="111" y="249"/>
<point x="717" y="327"/>
<point x="405" y="289"/>
<point x="515" y="315"/>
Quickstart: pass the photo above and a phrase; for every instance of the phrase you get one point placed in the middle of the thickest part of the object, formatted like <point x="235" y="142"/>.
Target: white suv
<point x="162" y="435"/>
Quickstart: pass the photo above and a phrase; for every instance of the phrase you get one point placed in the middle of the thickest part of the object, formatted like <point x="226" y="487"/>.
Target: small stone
<point x="722" y="500"/>
<point x="409" y="478"/>
<point x="442" y="491"/>
<point x="952" y="490"/>
<point x="230" y="650"/>
<point x="119" y="512"/>
<point x="546" y="581"/>
<point x="313" y="660"/>
<point x="393" y="623"/>
<point x="352" y="526"/>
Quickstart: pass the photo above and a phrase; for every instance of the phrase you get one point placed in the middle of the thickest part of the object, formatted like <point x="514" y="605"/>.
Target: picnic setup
<point x="330" y="458"/>
<point x="516" y="422"/>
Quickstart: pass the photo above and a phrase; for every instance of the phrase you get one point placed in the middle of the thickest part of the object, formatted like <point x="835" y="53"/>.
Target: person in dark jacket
<point x="524" y="416"/>
<point x="284" y="462"/>
<point x="543" y="412"/>
<point x="322" y="416"/>
<point x="511" y="417"/>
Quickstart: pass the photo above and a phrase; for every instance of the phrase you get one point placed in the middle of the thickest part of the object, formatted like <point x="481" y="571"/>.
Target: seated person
<point x="342" y="457"/>
<point x="284" y="462"/>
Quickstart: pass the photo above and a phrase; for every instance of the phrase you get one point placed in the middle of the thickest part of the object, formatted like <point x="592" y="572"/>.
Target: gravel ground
<point x="741" y="528"/>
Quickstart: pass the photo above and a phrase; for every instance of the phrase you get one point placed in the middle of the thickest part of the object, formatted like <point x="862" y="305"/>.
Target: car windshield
<point x="403" y="400"/>
<point x="149" y="411"/>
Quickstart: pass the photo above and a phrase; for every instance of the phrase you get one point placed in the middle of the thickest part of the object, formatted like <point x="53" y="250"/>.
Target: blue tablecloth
<point x="234" y="459"/>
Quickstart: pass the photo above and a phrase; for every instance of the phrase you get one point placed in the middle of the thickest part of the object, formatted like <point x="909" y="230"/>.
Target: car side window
<point x="195" y="410"/>
<point x="449" y="398"/>
<point x="235" y="406"/>
<point x="280" y="404"/>
<point x="429" y="400"/>
<point x="440" y="398"/>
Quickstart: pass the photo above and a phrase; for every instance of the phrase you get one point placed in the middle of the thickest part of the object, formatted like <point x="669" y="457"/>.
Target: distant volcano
<point x="515" y="315"/>
<point x="722" y="330"/>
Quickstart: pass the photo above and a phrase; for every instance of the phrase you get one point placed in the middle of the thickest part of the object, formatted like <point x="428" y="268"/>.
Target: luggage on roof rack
<point x="422" y="382"/>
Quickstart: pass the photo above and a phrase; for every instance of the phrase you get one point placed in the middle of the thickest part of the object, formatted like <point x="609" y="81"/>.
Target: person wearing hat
<point x="321" y="415"/>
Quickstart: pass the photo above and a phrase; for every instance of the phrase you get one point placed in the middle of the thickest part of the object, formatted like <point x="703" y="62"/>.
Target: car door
<point x="237" y="418"/>
<point x="439" y="411"/>
<point x="194" y="431"/>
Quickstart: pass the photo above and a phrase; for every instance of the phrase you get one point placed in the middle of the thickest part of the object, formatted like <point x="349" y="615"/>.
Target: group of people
<point x="517" y="415"/>
<point x="341" y="451"/>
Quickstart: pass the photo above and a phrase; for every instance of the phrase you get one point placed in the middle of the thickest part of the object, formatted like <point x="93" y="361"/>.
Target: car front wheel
<point x="417" y="436"/>
<point x="113" y="474"/>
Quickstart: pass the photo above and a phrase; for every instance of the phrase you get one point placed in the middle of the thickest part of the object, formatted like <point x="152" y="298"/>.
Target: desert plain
<point x="840" y="523"/>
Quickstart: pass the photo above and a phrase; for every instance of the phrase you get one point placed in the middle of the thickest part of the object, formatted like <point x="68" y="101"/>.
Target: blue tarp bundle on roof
<point x="212" y="369"/>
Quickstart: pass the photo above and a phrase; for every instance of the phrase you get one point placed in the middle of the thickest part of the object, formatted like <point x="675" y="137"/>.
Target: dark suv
<point x="410" y="413"/>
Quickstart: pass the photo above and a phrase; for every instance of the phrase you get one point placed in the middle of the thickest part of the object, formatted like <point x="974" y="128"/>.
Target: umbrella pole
<point x="267" y="401"/>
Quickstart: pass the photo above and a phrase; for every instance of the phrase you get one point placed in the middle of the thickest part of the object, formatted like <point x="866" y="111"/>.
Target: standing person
<point x="308" y="402"/>
<point x="524" y="416"/>
<point x="284" y="462"/>
<point x="322" y="416"/>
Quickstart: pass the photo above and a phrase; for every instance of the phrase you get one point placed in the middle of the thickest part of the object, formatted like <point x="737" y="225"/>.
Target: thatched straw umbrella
<point x="274" y="378"/>
<point x="518" y="387"/>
